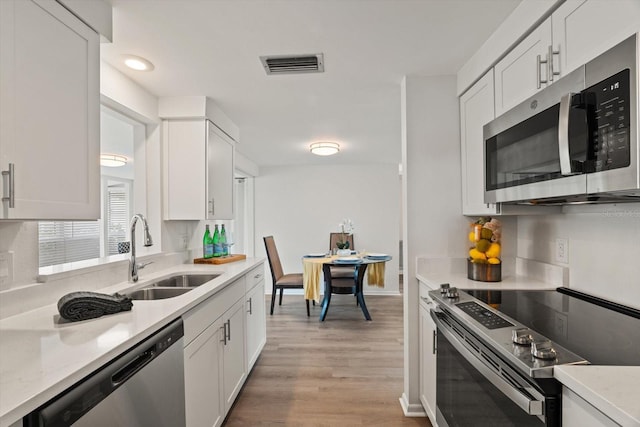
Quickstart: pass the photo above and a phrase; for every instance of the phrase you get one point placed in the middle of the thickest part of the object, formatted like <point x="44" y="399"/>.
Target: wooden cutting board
<point x="220" y="260"/>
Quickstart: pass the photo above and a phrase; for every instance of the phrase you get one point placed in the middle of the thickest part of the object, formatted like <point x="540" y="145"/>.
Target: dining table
<point x="317" y="272"/>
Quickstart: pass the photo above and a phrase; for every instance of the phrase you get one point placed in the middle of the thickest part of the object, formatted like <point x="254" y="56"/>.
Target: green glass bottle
<point x="223" y="241"/>
<point x="217" y="247"/>
<point x="207" y="243"/>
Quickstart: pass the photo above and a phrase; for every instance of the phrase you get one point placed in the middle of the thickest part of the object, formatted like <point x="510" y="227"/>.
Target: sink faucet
<point x="133" y="265"/>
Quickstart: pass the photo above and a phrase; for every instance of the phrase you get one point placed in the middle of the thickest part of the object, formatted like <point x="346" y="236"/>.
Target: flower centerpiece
<point x="484" y="262"/>
<point x="346" y="229"/>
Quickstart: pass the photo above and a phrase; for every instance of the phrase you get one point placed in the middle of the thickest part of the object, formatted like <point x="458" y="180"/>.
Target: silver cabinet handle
<point x="210" y="204"/>
<point x="434" y="345"/>
<point x="257" y="276"/>
<point x="250" y="311"/>
<point x="229" y="330"/>
<point x="12" y="186"/>
<point x="550" y="71"/>
<point x="539" y="62"/>
<point x="427" y="301"/>
<point x="224" y="333"/>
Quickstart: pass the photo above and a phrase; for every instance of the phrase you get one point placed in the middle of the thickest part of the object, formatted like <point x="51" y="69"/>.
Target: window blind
<point x="61" y="242"/>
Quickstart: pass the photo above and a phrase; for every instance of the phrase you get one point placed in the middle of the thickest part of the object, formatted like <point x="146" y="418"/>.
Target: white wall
<point x="433" y="225"/>
<point x="604" y="248"/>
<point x="301" y="205"/>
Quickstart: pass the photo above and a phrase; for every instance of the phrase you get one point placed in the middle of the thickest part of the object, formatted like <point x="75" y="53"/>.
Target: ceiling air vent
<point x="293" y="64"/>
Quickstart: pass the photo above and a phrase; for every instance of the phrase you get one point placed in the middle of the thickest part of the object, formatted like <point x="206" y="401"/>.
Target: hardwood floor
<point x="344" y="371"/>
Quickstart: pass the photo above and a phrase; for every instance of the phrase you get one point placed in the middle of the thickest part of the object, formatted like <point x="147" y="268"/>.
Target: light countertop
<point x="613" y="390"/>
<point x="40" y="356"/>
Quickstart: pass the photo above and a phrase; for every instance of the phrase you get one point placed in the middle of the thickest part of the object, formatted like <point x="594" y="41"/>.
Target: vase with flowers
<point x="346" y="229"/>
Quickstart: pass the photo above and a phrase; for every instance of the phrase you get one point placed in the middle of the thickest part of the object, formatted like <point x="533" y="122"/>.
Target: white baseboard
<point x="411" y="410"/>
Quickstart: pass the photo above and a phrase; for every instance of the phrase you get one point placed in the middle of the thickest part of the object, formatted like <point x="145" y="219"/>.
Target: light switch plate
<point x="562" y="251"/>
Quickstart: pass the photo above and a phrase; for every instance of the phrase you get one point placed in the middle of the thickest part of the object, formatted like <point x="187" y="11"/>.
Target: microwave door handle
<point x="563" y="135"/>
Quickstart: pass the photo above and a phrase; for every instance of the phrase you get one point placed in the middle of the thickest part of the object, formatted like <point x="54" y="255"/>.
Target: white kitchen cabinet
<point x="577" y="412"/>
<point x="234" y="373"/>
<point x="202" y="368"/>
<point x="427" y="336"/>
<point x="476" y="109"/>
<point x="256" y="318"/>
<point x="199" y="170"/>
<point x="583" y="29"/>
<point x="49" y="113"/>
<point x="520" y="73"/>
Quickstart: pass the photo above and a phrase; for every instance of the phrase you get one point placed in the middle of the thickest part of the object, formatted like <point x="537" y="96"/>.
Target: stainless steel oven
<point x="496" y="351"/>
<point x="575" y="141"/>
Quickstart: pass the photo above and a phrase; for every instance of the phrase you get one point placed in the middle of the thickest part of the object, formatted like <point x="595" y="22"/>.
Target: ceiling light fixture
<point x="324" y="148"/>
<point x="112" y="160"/>
<point x="138" y="63"/>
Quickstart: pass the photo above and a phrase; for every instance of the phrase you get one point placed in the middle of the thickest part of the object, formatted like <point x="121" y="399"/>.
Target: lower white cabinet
<point x="202" y="368"/>
<point x="256" y="326"/>
<point x="577" y="412"/>
<point x="233" y="348"/>
<point x="221" y="336"/>
<point x="427" y="332"/>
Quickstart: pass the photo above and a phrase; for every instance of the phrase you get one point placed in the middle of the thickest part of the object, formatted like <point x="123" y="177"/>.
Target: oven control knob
<point x="521" y="336"/>
<point x="444" y="288"/>
<point x="452" y="293"/>
<point x="543" y="350"/>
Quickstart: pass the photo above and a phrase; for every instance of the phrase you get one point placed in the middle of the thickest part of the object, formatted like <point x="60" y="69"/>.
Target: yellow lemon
<point x="493" y="261"/>
<point x="472" y="237"/>
<point x="476" y="254"/>
<point x="493" y="251"/>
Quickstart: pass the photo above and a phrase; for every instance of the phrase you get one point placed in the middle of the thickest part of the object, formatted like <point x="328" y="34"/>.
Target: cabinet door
<point x="577" y="412"/>
<point x="256" y="324"/>
<point x="583" y="29"/>
<point x="185" y="165"/>
<point x="427" y="335"/>
<point x="518" y="73"/>
<point x="202" y="368"/>
<point x="49" y="112"/>
<point x="219" y="174"/>
<point x="476" y="110"/>
<point x="233" y="353"/>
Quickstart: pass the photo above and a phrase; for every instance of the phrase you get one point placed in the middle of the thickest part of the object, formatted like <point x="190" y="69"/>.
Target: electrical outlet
<point x="562" y="251"/>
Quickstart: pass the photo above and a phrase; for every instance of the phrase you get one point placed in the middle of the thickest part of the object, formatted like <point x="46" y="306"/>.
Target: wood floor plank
<point x="344" y="371"/>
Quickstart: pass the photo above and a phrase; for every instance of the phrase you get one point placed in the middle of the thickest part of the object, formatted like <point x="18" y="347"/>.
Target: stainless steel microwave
<point x="574" y="142"/>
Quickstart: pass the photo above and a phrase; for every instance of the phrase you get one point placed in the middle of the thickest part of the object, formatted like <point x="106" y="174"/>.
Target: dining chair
<point x="341" y="272"/>
<point x="281" y="281"/>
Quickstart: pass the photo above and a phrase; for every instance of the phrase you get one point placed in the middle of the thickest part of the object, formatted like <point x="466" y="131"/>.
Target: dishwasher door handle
<point x="132" y="367"/>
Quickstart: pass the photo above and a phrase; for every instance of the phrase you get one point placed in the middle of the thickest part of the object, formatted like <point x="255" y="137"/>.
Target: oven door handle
<point x="530" y="406"/>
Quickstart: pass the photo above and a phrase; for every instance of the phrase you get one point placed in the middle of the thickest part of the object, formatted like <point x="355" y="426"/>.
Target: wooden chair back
<point x="274" y="259"/>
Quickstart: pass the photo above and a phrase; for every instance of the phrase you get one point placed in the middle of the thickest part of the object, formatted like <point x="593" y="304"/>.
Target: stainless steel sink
<point x="184" y="281"/>
<point x="156" y="293"/>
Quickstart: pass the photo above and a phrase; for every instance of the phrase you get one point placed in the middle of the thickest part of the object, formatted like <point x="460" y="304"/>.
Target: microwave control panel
<point x="610" y="132"/>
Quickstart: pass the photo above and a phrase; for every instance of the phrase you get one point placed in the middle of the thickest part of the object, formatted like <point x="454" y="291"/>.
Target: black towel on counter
<point x="82" y="305"/>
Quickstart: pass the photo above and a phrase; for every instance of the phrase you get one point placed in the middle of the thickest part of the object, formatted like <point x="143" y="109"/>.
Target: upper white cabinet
<point x="583" y="29"/>
<point x="523" y="71"/>
<point x="198" y="170"/>
<point x="575" y="33"/>
<point x="49" y="113"/>
<point x="476" y="109"/>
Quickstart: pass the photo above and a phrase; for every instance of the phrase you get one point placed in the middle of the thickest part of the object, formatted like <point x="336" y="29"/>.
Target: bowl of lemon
<point x="484" y="263"/>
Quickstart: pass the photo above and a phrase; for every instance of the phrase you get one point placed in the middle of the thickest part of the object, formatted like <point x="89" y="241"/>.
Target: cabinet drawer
<point x="425" y="300"/>
<point x="255" y="276"/>
<point x="205" y="313"/>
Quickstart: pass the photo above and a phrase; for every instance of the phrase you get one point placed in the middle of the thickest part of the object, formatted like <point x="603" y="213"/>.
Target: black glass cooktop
<point x="600" y="332"/>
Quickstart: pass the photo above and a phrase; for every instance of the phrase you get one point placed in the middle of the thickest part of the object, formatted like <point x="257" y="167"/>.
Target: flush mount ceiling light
<point x="137" y="63"/>
<point x="112" y="160"/>
<point x="324" y="148"/>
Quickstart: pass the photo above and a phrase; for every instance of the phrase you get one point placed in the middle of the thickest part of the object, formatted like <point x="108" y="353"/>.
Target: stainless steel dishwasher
<point x="142" y="387"/>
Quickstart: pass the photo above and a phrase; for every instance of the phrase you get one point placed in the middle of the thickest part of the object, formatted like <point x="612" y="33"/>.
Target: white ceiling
<point x="212" y="48"/>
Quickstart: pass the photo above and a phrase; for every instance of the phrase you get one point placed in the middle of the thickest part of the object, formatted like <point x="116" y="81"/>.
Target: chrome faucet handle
<point x="142" y="265"/>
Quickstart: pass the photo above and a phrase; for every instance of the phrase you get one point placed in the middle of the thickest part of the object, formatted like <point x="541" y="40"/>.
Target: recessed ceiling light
<point x="324" y="148"/>
<point x="112" y="160"/>
<point x="138" y="63"/>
